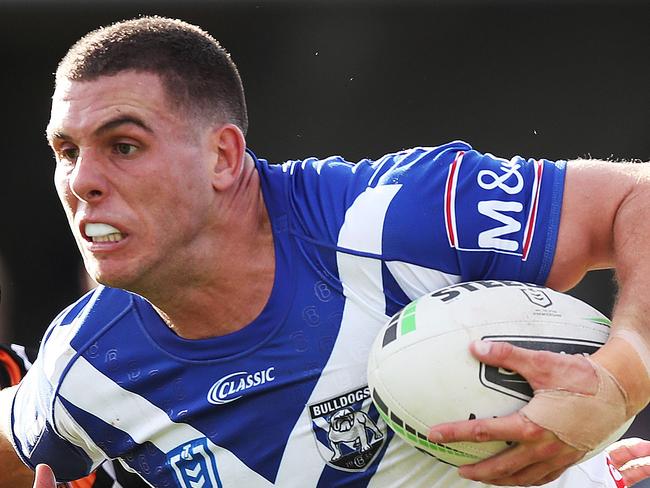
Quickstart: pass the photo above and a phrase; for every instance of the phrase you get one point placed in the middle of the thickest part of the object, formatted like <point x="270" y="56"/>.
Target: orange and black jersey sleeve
<point x="14" y="363"/>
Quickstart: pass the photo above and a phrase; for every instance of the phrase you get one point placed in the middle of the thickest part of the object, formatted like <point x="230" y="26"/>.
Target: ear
<point x="229" y="147"/>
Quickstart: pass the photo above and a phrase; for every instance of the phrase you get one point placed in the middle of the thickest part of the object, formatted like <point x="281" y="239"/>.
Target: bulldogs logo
<point x="351" y="428"/>
<point x="349" y="432"/>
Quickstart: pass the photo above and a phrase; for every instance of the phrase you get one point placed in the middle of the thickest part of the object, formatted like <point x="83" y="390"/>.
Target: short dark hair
<point x="197" y="73"/>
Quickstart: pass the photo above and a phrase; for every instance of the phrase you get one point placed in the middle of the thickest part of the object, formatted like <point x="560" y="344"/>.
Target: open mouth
<point x="100" y="232"/>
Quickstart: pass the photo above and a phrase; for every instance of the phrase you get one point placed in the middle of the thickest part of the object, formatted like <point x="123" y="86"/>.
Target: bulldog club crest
<point x="349" y="432"/>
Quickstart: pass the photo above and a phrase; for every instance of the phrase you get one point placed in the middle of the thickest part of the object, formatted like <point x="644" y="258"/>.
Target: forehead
<point x="78" y="106"/>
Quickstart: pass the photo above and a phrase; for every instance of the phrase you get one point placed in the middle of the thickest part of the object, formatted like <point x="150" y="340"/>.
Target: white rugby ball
<point x="420" y="371"/>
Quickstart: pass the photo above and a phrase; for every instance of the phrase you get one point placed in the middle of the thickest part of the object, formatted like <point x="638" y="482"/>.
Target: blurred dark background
<point x="554" y="79"/>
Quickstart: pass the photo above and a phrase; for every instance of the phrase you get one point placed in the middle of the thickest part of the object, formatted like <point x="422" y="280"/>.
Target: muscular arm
<point x="14" y="473"/>
<point x="606" y="223"/>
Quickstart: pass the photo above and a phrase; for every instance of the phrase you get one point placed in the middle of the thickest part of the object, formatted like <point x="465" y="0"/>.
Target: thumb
<point x="44" y="477"/>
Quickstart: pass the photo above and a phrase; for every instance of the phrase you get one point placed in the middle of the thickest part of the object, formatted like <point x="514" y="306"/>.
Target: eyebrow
<point x="106" y="127"/>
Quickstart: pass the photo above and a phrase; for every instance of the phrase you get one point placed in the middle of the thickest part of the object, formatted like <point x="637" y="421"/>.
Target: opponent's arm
<point x="605" y="222"/>
<point x="632" y="458"/>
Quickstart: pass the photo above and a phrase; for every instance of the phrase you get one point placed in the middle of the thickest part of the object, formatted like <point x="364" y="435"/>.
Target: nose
<point x="87" y="181"/>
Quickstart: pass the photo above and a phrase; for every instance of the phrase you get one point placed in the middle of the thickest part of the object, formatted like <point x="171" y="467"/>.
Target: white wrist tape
<point x="567" y="414"/>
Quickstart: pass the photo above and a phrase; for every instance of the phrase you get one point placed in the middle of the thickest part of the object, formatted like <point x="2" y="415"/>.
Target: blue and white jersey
<point x="284" y="401"/>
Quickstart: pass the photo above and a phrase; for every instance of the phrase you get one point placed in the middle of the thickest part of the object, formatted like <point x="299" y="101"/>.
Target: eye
<point x="125" y="149"/>
<point x="69" y="153"/>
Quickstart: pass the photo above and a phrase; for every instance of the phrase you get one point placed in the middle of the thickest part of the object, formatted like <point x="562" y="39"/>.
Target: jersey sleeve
<point x="476" y="216"/>
<point x="42" y="430"/>
<point x="448" y="210"/>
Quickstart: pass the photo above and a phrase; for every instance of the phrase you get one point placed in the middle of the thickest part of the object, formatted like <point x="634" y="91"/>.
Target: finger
<point x="522" y="480"/>
<point x="542" y="369"/>
<point x="504" y="354"/>
<point x="551" y="476"/>
<point x="636" y="473"/>
<point x="44" y="477"/>
<point x="514" y="427"/>
<point x="626" y="450"/>
<point x="523" y="465"/>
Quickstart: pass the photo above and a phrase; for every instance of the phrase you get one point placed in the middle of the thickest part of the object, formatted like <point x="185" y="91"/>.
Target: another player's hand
<point x="538" y="456"/>
<point x="44" y="477"/>
<point x="632" y="458"/>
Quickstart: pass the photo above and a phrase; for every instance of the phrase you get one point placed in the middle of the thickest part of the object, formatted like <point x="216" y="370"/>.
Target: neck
<point x="230" y="284"/>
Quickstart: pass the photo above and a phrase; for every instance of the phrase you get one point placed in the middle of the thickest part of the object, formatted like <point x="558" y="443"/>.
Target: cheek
<point x="177" y="202"/>
<point x="193" y="190"/>
<point x="66" y="196"/>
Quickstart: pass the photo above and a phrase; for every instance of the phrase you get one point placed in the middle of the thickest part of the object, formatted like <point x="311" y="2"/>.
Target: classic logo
<point x="513" y="384"/>
<point x="349" y="432"/>
<point x="537" y="297"/>
<point x="232" y="387"/>
<point x="195" y="465"/>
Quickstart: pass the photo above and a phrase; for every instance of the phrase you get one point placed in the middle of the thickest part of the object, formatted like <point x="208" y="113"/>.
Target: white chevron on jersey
<point x="58" y="353"/>
<point x="51" y="362"/>
<point x="416" y="280"/>
<point x="151" y="424"/>
<point x="361" y="277"/>
<point x="363" y="226"/>
<point x="300" y="455"/>
<point x="363" y="285"/>
<point x="68" y="427"/>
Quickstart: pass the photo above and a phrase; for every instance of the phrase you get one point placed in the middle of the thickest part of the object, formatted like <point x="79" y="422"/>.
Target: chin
<point x="112" y="279"/>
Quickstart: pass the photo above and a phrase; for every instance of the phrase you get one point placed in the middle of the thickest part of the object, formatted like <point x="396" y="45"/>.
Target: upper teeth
<point x="102" y="232"/>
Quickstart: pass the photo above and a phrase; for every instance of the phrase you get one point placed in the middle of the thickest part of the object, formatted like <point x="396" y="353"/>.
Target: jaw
<point x="147" y="274"/>
<point x="113" y="263"/>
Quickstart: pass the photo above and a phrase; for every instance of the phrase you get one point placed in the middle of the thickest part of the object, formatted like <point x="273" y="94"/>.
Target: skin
<point x="126" y="158"/>
<point x="44" y="477"/>
<point x="632" y="458"/>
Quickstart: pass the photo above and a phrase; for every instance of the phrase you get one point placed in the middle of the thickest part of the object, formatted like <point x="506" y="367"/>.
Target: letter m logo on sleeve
<point x="491" y="203"/>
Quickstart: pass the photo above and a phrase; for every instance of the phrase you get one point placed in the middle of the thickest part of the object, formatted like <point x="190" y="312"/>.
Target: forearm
<point x="606" y="223"/>
<point x="13" y="473"/>
<point x="626" y="356"/>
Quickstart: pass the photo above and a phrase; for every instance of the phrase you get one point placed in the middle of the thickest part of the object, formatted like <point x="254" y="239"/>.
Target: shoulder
<point x="75" y="328"/>
<point x="332" y="171"/>
<point x="373" y="172"/>
<point x="318" y="192"/>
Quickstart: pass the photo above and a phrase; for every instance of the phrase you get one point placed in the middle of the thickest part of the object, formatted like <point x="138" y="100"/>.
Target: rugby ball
<point x="420" y="371"/>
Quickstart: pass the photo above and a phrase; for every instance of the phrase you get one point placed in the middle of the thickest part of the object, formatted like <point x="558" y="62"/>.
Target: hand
<point x="44" y="477"/>
<point x="538" y="456"/>
<point x="632" y="458"/>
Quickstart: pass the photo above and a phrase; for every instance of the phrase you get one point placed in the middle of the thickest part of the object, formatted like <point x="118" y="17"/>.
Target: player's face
<point x="133" y="175"/>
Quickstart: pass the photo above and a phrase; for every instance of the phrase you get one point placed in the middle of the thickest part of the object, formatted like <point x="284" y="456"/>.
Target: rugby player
<point x="240" y="297"/>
